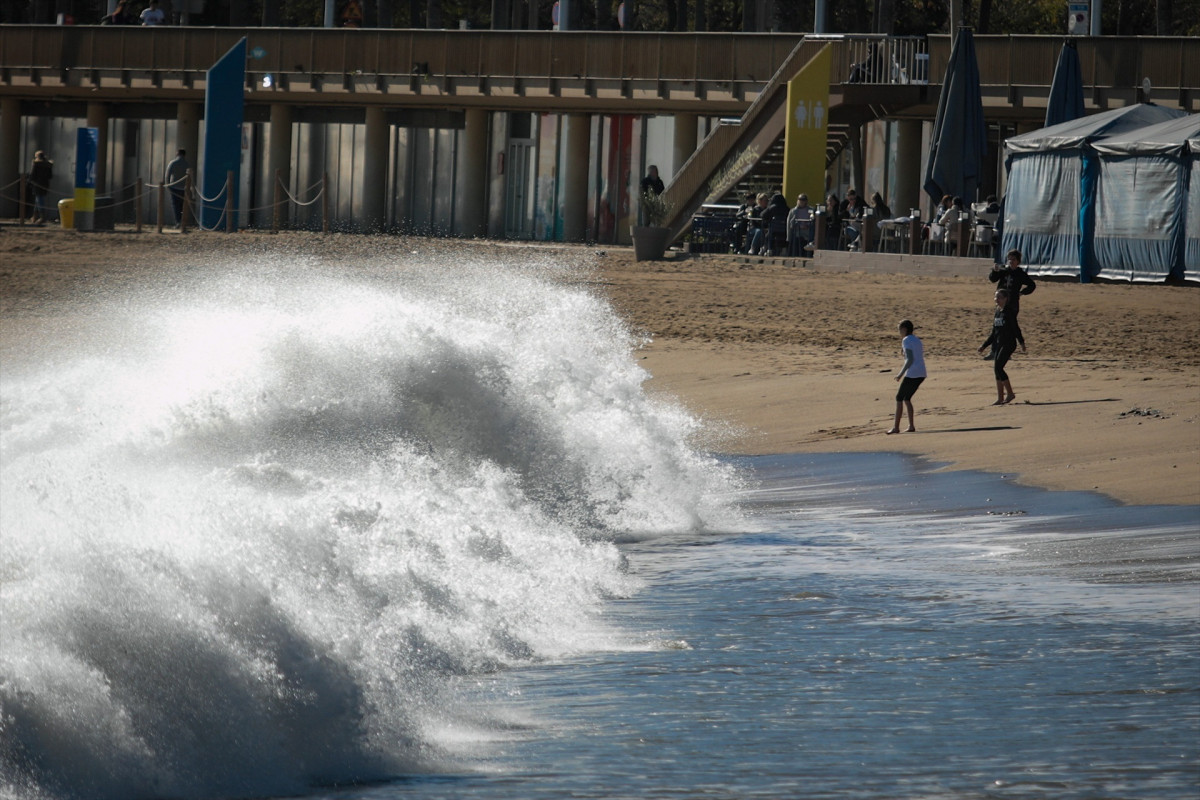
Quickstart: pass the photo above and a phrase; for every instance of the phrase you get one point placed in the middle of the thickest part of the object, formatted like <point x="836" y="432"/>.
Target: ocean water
<point x="410" y="528"/>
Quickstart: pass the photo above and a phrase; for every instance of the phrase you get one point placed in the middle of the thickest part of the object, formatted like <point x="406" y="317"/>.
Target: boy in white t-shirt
<point x="911" y="375"/>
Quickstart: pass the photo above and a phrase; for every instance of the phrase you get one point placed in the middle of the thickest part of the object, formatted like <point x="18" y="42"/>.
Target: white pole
<point x="330" y="8"/>
<point x="819" y="18"/>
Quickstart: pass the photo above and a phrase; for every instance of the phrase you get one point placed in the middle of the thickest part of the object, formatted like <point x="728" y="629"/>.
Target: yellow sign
<point x="805" y="134"/>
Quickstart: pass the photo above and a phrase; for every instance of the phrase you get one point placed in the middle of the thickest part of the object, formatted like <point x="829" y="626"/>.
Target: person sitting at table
<point x="774" y="223"/>
<point x="853" y="207"/>
<point x="741" y="225"/>
<point x="951" y="213"/>
<point x="942" y="207"/>
<point x="880" y="208"/>
<point x="833" y="221"/>
<point x="754" y="230"/>
<point x="799" y="227"/>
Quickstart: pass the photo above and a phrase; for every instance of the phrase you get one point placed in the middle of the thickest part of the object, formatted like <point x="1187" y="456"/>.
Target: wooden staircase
<point x="713" y="174"/>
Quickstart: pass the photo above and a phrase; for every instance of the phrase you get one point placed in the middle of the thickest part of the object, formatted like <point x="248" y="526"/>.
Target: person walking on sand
<point x="910" y="376"/>
<point x="1004" y="336"/>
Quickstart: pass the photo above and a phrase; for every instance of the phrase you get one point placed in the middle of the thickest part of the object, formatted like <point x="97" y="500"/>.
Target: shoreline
<point x="786" y="359"/>
<point x="782" y="357"/>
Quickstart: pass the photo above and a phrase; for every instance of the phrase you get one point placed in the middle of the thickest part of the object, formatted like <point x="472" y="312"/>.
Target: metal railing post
<point x="277" y="201"/>
<point x="138" y="206"/>
<point x="325" y="202"/>
<point x="230" y="222"/>
<point x="187" y="202"/>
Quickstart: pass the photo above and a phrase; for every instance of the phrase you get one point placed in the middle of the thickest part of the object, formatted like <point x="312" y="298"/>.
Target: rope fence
<point x="191" y="211"/>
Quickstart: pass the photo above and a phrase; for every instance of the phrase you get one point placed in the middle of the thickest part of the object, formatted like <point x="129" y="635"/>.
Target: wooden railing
<point x="746" y="58"/>
<point x="740" y="63"/>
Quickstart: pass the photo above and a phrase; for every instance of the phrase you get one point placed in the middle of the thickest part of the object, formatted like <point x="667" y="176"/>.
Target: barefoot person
<point x="1005" y="335"/>
<point x="910" y="375"/>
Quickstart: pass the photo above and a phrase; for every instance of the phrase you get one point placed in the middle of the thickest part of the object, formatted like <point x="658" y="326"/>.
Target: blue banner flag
<point x="223" y="115"/>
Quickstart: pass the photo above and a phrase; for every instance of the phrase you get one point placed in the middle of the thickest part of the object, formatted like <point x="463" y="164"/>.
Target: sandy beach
<point x="780" y="357"/>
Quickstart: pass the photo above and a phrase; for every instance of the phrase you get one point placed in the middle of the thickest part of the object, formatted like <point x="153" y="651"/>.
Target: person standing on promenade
<point x="120" y="16"/>
<point x="652" y="183"/>
<point x="910" y="376"/>
<point x="1004" y="336"/>
<point x="40" y="175"/>
<point x="153" y="15"/>
<point x="175" y="179"/>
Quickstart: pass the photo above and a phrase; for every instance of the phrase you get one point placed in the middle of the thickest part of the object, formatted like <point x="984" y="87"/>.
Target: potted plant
<point x="650" y="240"/>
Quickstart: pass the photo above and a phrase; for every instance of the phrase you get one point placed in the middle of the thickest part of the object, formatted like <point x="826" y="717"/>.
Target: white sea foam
<point x="252" y="527"/>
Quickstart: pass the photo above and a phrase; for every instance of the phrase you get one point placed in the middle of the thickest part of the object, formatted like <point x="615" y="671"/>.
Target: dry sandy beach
<point x="780" y="357"/>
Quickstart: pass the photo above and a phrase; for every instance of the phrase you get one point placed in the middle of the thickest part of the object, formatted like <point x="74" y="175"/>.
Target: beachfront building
<point x="527" y="134"/>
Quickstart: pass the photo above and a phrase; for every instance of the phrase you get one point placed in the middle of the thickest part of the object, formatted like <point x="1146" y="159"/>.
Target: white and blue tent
<point x="1146" y="188"/>
<point x="1049" y="209"/>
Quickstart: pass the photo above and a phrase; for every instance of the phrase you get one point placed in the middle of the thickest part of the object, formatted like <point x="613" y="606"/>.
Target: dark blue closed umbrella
<point x="959" y="134"/>
<point x="1066" y="90"/>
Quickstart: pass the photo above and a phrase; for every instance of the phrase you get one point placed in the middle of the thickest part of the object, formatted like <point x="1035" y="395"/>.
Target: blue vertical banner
<point x="222" y="137"/>
<point x="87" y="146"/>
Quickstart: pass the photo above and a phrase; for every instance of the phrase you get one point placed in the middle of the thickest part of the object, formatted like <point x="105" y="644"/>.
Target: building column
<point x="907" y="192"/>
<point x="97" y="117"/>
<point x="10" y="155"/>
<point x="683" y="142"/>
<point x="375" y="175"/>
<point x="577" y="131"/>
<point x="279" y="153"/>
<point x="187" y="133"/>
<point x="858" y="172"/>
<point x="472" y="192"/>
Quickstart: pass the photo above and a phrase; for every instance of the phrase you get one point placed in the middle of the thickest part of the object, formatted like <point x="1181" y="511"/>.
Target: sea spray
<point x="255" y="523"/>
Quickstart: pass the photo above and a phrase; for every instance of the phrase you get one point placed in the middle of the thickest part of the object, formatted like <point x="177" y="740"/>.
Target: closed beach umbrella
<point x="959" y="135"/>
<point x="1066" y="90"/>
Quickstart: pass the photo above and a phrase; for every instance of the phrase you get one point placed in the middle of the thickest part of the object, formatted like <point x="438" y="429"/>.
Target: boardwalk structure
<point x="526" y="134"/>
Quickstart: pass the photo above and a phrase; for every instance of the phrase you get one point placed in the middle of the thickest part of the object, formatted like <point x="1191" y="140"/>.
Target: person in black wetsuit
<point x="1004" y="337"/>
<point x="1011" y="278"/>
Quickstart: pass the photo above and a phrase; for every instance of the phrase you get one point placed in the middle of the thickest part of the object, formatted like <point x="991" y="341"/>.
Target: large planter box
<point x="649" y="242"/>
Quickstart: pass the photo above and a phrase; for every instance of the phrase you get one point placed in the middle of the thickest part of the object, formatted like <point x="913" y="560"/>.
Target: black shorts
<point x="908" y="387"/>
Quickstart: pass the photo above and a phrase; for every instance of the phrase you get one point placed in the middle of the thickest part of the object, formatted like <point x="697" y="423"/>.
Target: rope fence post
<point x="21" y="200"/>
<point x="230" y="223"/>
<point x="278" y="201"/>
<point x="187" y="202"/>
<point x="325" y="202"/>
